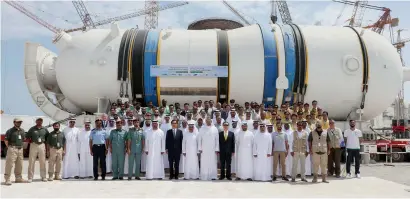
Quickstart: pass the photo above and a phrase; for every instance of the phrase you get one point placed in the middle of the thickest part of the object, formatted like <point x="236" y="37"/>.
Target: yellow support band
<point x="158" y="63"/>
<point x="131" y="46"/>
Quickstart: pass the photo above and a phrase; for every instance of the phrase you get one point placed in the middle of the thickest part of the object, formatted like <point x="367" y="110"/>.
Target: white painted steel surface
<point x="335" y="90"/>
<point x="385" y="73"/>
<point x="86" y="67"/>
<point x="192" y="48"/>
<point x="281" y="56"/>
<point x="246" y="57"/>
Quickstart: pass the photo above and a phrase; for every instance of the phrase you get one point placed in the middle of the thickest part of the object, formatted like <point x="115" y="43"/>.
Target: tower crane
<point x="238" y="14"/>
<point x="17" y="5"/>
<point x="132" y="15"/>
<point x="400" y="43"/>
<point x="83" y="13"/>
<point x="283" y="11"/>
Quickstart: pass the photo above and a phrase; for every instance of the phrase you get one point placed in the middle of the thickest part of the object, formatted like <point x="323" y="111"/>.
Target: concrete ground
<point x="378" y="181"/>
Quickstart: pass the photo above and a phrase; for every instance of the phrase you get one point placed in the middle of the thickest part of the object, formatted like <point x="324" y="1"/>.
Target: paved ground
<point x="378" y="181"/>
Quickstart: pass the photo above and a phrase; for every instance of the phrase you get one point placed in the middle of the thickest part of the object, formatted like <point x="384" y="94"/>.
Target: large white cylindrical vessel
<point x="344" y="69"/>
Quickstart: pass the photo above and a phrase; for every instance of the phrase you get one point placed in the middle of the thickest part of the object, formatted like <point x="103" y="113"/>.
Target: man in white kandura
<point x="190" y="152"/>
<point x="262" y="150"/>
<point x="86" y="160"/>
<point x="208" y="146"/>
<point x="71" y="162"/>
<point x="155" y="149"/>
<point x="108" y="158"/>
<point x="244" y="144"/>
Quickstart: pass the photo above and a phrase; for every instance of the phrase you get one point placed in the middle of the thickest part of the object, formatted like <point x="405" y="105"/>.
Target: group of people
<point x="256" y="142"/>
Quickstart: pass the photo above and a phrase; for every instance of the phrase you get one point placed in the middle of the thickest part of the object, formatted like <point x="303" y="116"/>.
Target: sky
<point x="16" y="29"/>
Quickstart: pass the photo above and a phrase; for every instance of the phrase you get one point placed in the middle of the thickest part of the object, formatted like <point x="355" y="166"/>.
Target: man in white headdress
<point x="208" y="147"/>
<point x="289" y="158"/>
<point x="71" y="162"/>
<point x="165" y="126"/>
<point x="190" y="153"/>
<point x="199" y="123"/>
<point x="218" y="124"/>
<point x="86" y="160"/>
<point x="155" y="150"/>
<point x="233" y="116"/>
<point x="234" y="128"/>
<point x="262" y="150"/>
<point x="146" y="128"/>
<point x="255" y="127"/>
<point x="184" y="126"/>
<point x="217" y="113"/>
<point x="108" y="158"/>
<point x="244" y="145"/>
<point x="248" y="118"/>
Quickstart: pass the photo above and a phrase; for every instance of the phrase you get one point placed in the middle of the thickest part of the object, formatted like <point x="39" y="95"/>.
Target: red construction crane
<point x="17" y="6"/>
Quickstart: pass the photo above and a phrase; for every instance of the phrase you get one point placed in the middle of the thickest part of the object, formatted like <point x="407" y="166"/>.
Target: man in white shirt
<point x="353" y="138"/>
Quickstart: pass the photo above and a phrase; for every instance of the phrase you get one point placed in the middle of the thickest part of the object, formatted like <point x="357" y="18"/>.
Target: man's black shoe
<point x="229" y="178"/>
<point x="274" y="179"/>
<point x="76" y="177"/>
<point x="170" y="178"/>
<point x="221" y="178"/>
<point x="137" y="178"/>
<point x="121" y="178"/>
<point x="114" y="179"/>
<point x="213" y="179"/>
<point x="249" y="179"/>
<point x="103" y="178"/>
<point x="237" y="179"/>
<point x="129" y="178"/>
<point x="285" y="179"/>
<point x="95" y="178"/>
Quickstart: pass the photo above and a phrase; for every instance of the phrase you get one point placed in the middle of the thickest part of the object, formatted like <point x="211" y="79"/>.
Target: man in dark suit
<point x="173" y="146"/>
<point x="226" y="150"/>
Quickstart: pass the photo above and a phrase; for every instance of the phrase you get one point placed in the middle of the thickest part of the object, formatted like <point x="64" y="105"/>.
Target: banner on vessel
<point x="188" y="71"/>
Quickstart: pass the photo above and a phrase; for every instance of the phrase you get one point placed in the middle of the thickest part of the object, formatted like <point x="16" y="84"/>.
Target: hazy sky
<point x="16" y="29"/>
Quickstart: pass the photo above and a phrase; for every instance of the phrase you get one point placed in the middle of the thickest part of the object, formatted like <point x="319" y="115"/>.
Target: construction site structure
<point x="86" y="18"/>
<point x="284" y="12"/>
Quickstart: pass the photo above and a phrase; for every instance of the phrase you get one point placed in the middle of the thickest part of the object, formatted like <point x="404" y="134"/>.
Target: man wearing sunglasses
<point x="319" y="145"/>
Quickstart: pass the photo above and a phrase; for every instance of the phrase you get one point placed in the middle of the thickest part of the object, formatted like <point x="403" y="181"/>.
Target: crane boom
<point x="236" y="12"/>
<point x="83" y="13"/>
<point x="284" y="11"/>
<point x="132" y="15"/>
<point x="365" y="6"/>
<point x="358" y="13"/>
<point x="17" y="5"/>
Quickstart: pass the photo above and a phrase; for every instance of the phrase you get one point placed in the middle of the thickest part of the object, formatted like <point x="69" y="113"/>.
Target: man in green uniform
<point x="14" y="139"/>
<point x="135" y="144"/>
<point x="37" y="134"/>
<point x="117" y="149"/>
<point x="55" y="142"/>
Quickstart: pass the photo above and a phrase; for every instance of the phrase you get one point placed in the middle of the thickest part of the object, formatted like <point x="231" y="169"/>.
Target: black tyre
<point x="397" y="157"/>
